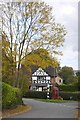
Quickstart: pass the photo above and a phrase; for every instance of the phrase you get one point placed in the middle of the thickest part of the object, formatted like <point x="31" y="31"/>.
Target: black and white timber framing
<point x="40" y="80"/>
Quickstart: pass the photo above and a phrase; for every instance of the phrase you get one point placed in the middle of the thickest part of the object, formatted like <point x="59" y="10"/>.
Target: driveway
<point x="49" y="110"/>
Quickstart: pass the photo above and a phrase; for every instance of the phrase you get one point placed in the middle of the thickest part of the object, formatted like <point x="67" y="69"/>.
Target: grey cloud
<point x="70" y="21"/>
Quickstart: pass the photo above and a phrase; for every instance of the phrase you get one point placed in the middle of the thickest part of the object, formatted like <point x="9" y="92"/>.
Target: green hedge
<point x="70" y="88"/>
<point x="70" y="95"/>
<point x="11" y="97"/>
<point x="36" y="94"/>
<point x="43" y="95"/>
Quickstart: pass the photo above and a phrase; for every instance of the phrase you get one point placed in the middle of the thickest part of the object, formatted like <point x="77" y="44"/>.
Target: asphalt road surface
<point x="49" y="110"/>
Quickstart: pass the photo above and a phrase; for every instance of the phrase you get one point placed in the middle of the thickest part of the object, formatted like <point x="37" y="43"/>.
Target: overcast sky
<point x="66" y="13"/>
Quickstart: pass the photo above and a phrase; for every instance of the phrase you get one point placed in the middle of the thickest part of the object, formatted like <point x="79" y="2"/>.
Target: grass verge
<point x="19" y="110"/>
<point x="54" y="101"/>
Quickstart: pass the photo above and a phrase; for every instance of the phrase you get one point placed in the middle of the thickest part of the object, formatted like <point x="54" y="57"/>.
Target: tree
<point x="30" y="26"/>
<point x="78" y="74"/>
<point x="67" y="75"/>
<point x="78" y="79"/>
<point x="40" y="58"/>
<point x="7" y="39"/>
<point x="7" y="62"/>
<point x="6" y="68"/>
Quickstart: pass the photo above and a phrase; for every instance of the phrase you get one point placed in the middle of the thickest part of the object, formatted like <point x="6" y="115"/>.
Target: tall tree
<point x="7" y="36"/>
<point x="67" y="73"/>
<point x="31" y="25"/>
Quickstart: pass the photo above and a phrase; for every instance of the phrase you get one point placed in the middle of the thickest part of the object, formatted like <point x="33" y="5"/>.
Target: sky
<point x="66" y="13"/>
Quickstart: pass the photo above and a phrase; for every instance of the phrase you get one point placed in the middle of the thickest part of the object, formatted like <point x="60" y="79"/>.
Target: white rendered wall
<point x="34" y="78"/>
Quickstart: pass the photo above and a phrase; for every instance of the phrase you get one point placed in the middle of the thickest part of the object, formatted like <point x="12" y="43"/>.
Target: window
<point x="34" y="81"/>
<point x="48" y="81"/>
<point x="39" y="81"/>
<point x="41" y="78"/>
<point x="34" y="88"/>
<point x="60" y="80"/>
<point x="43" y="81"/>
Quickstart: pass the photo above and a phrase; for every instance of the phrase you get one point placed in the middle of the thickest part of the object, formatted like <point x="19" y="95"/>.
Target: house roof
<point x="34" y="68"/>
<point x="49" y="70"/>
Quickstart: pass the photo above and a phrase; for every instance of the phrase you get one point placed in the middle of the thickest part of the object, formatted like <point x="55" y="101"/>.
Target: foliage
<point x="43" y="95"/>
<point x="5" y="62"/>
<point x="78" y="73"/>
<point x="78" y="83"/>
<point x="11" y="97"/>
<point x="29" y="26"/>
<point x="69" y="88"/>
<point x="24" y="80"/>
<point x="70" y="95"/>
<point x="7" y="75"/>
<point x="67" y="74"/>
<point x="40" y="58"/>
<point x="8" y="69"/>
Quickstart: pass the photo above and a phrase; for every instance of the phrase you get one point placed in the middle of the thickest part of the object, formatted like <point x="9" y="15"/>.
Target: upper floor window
<point x="34" y="81"/>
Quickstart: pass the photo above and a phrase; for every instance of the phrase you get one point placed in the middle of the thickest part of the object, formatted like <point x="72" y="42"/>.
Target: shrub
<point x="11" y="97"/>
<point x="70" y="88"/>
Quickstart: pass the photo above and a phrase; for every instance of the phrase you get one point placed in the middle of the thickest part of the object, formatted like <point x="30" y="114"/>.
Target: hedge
<point x="43" y="95"/>
<point x="36" y="94"/>
<point x="11" y="97"/>
<point x="69" y="88"/>
<point x="70" y="95"/>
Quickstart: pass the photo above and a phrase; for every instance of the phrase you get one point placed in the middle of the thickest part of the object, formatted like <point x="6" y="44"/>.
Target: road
<point x="49" y="110"/>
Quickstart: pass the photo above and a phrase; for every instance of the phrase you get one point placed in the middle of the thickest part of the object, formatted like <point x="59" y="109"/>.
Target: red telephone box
<point x="55" y="93"/>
